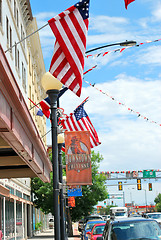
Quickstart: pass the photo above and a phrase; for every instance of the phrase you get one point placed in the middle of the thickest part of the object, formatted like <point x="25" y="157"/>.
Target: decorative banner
<point x="71" y="202"/>
<point x="78" y="159"/>
<point x="121" y="104"/>
<point x="74" y="192"/>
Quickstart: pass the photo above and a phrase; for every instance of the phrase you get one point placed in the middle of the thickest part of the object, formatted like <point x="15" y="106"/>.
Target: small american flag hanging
<point x="80" y="121"/>
<point x="70" y="29"/>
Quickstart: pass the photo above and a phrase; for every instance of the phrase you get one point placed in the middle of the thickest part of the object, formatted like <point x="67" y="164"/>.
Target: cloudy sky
<point x="132" y="78"/>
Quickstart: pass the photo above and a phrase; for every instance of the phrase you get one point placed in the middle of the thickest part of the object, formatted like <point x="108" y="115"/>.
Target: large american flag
<point x="70" y="29"/>
<point x="79" y="121"/>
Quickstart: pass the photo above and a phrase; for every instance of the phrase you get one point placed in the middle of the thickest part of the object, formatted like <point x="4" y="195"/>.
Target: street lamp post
<point x="52" y="87"/>
<point x="62" y="215"/>
<point x="145" y="199"/>
<point x="126" y="43"/>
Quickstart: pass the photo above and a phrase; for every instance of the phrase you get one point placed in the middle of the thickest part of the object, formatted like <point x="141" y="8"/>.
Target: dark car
<point x="131" y="229"/>
<point x="82" y="222"/>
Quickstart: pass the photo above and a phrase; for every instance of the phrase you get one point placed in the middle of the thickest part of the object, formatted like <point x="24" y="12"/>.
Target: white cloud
<point x="127" y="141"/>
<point x="150" y="55"/>
<point x="157" y="12"/>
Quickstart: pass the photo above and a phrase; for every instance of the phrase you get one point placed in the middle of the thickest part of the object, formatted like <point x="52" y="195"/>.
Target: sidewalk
<point x="49" y="233"/>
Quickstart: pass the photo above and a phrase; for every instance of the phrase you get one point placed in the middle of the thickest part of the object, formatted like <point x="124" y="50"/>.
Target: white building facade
<point x="22" y="151"/>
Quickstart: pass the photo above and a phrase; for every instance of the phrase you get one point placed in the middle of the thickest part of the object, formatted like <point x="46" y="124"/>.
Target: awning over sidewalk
<point x="22" y="152"/>
<point x="5" y="192"/>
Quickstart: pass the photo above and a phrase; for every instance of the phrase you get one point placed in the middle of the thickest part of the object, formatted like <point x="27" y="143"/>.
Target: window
<point x="23" y="36"/>
<point x="7" y="29"/>
<point x="15" y="55"/>
<point x="18" y="59"/>
<point x="18" y="193"/>
<point x="23" y="77"/>
<point x="15" y="9"/>
<point x="0" y="12"/>
<point x="21" y="31"/>
<point x="29" y="65"/>
<point x="17" y="19"/>
<point x="10" y="39"/>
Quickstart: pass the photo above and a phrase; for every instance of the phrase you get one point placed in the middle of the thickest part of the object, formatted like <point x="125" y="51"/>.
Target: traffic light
<point x="139" y="184"/>
<point x="120" y="186"/>
<point x="150" y="186"/>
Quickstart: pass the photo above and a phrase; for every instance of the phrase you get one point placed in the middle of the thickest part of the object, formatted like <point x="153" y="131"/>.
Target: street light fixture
<point x="62" y="215"/>
<point x="52" y="87"/>
<point x="126" y="44"/>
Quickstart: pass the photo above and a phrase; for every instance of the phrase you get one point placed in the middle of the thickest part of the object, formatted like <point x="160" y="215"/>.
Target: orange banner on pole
<point x="71" y="202"/>
<point x="78" y="158"/>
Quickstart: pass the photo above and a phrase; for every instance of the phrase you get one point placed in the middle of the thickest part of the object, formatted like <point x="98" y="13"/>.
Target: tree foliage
<point x="157" y="200"/>
<point x="43" y="192"/>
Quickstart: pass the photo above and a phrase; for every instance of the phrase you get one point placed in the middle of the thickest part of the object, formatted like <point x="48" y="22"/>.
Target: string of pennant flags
<point x="120" y="103"/>
<point x="138" y="171"/>
<point x="46" y="105"/>
<point x="120" y="50"/>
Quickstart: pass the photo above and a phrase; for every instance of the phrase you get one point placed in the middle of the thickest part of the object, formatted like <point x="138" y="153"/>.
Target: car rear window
<point x="140" y="229"/>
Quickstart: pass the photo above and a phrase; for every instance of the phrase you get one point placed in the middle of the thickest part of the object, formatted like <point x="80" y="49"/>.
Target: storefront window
<point x="19" y="228"/>
<point x="2" y="217"/>
<point x="9" y="218"/>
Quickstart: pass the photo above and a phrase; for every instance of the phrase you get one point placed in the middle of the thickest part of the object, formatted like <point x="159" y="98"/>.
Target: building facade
<point x="23" y="152"/>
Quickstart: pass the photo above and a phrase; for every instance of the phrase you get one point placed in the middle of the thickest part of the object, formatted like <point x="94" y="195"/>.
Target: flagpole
<point x="26" y="37"/>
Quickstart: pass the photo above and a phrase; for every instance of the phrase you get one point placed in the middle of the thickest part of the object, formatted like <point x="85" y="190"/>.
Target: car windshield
<point x="90" y="226"/>
<point x="98" y="230"/>
<point x="154" y="216"/>
<point x="136" y="230"/>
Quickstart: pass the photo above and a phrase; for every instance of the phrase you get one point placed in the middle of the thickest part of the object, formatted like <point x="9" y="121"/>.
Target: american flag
<point x="79" y="121"/>
<point x="70" y="29"/>
<point x="45" y="103"/>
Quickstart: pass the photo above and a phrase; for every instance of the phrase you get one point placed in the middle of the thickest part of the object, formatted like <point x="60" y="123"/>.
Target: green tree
<point x="157" y="200"/>
<point x="43" y="192"/>
<point x="106" y="210"/>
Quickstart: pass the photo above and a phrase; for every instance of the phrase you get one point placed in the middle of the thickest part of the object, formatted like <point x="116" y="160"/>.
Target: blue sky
<point x="132" y="77"/>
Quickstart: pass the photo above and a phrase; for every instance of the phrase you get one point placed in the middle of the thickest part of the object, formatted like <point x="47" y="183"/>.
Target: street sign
<point x="135" y="174"/>
<point x="149" y="173"/>
<point x="74" y="192"/>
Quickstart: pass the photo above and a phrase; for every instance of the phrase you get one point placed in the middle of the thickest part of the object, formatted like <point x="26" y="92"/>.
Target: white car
<point x="155" y="215"/>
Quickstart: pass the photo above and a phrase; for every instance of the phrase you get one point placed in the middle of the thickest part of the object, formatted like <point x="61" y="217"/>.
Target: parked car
<point x="82" y="222"/>
<point x="88" y="227"/>
<point x="155" y="215"/>
<point x="51" y="223"/>
<point x="97" y="231"/>
<point x="131" y="229"/>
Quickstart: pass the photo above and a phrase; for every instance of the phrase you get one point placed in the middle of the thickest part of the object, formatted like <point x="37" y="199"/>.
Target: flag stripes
<point x="84" y="124"/>
<point x="70" y="30"/>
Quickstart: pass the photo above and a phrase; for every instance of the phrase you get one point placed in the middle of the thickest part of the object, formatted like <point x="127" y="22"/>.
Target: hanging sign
<point x="71" y="202"/>
<point x="149" y="174"/>
<point x="78" y="158"/>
